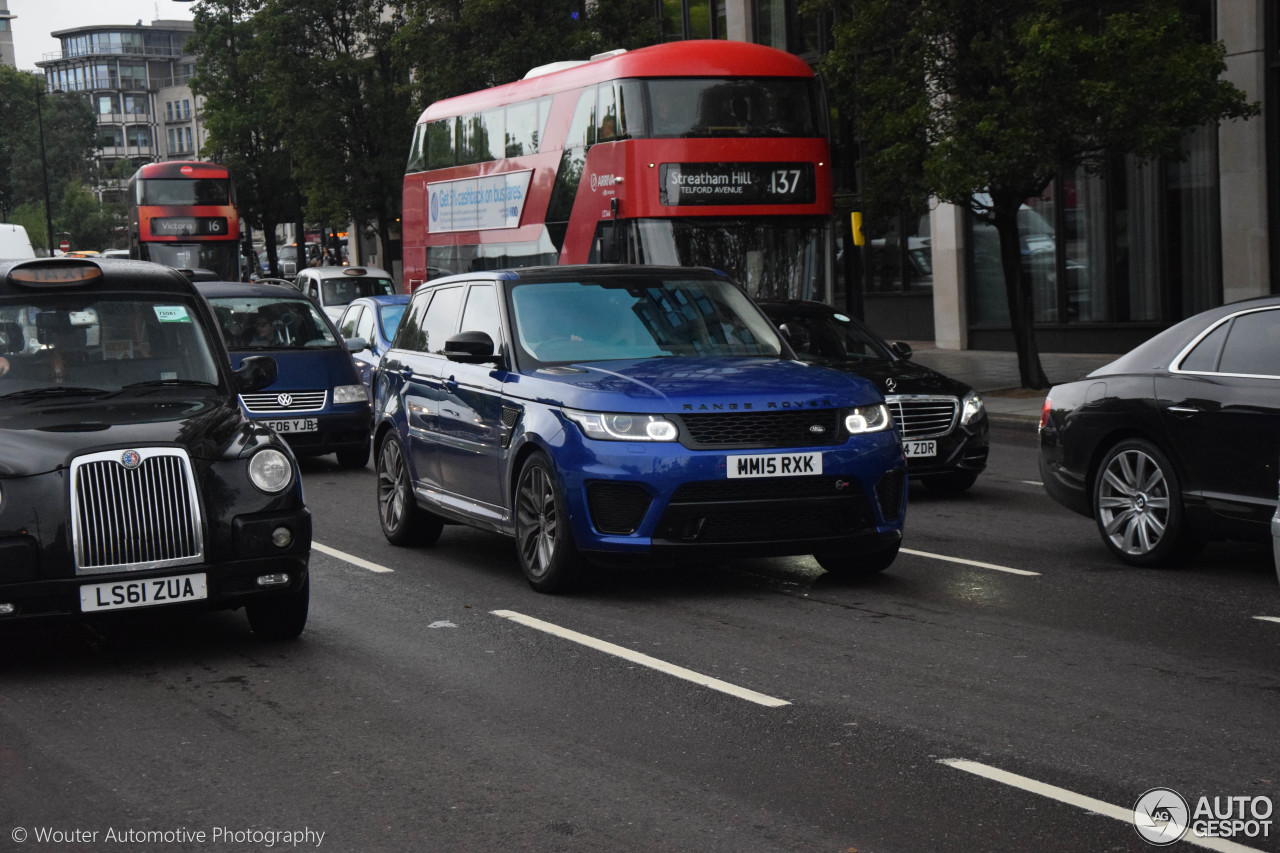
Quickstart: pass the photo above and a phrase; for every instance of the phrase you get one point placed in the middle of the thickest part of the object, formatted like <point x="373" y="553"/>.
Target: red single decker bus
<point x="185" y="216"/>
<point x="710" y="153"/>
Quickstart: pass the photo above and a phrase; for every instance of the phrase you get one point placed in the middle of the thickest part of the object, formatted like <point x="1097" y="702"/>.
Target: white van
<point x="14" y="242"/>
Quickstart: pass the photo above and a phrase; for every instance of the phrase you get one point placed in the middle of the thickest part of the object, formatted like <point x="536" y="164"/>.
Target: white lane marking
<point x="1032" y="482"/>
<point x="974" y="563"/>
<point x="1268" y="618"/>
<point x="643" y="660"/>
<point x="1080" y="801"/>
<point x="350" y="558"/>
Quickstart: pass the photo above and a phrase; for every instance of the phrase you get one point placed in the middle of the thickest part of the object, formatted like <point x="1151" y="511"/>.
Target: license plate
<point x="142" y="593"/>
<point x="294" y="425"/>
<point x="920" y="448"/>
<point x="774" y="465"/>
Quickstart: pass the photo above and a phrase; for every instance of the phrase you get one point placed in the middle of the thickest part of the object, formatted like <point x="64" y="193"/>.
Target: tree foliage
<point x="982" y="104"/>
<point x="69" y="141"/>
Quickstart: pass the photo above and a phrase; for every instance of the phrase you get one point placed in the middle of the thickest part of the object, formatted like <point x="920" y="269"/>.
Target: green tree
<point x="982" y="104"/>
<point x="455" y="48"/>
<point x="69" y="143"/>
<point x="246" y="128"/>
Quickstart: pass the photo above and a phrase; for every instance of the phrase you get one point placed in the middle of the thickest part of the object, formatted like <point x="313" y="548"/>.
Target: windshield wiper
<point x="50" y="391"/>
<point x="174" y="383"/>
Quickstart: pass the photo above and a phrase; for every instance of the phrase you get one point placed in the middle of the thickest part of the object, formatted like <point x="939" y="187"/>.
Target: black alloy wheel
<point x="403" y="521"/>
<point x="544" y="542"/>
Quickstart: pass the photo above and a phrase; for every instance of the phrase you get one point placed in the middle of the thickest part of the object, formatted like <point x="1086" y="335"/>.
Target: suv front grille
<point x="749" y="430"/>
<point x="132" y="518"/>
<point x="921" y="416"/>
<point x="284" y="401"/>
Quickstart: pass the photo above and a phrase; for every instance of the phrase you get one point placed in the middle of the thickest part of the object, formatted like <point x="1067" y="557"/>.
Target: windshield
<point x="221" y="257"/>
<point x="716" y="107"/>
<point x="268" y="322"/>
<point x="184" y="191"/>
<point x="773" y="257"/>
<point x="340" y="290"/>
<point x="828" y="337"/>
<point x="101" y="344"/>
<point x="645" y="317"/>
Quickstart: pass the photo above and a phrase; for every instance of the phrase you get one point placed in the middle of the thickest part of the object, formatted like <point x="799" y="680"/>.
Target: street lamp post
<point x="44" y="168"/>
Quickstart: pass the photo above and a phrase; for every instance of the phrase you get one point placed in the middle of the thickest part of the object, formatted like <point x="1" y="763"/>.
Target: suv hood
<point x="905" y="376"/>
<point x="38" y="436"/>
<point x="674" y="385"/>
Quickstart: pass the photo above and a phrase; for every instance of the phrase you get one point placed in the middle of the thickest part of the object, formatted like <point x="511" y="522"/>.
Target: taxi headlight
<point x="350" y="394"/>
<point x="866" y="419"/>
<point x="620" y="427"/>
<point x="971" y="409"/>
<point x="270" y="470"/>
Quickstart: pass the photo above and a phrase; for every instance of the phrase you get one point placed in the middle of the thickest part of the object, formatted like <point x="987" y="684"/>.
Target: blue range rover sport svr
<point x="611" y="411"/>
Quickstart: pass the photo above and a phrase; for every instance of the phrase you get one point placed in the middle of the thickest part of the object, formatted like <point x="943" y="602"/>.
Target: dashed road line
<point x="643" y="659"/>
<point x="1268" y="618"/>
<point x="1080" y="801"/>
<point x="975" y="563"/>
<point x="350" y="558"/>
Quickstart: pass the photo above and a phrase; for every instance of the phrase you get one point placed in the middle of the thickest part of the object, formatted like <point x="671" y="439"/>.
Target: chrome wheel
<point x="1137" y="503"/>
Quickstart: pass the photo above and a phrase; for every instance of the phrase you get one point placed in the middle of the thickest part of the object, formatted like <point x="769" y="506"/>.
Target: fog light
<point x="282" y="537"/>
<point x="279" y="579"/>
<point x="7" y="610"/>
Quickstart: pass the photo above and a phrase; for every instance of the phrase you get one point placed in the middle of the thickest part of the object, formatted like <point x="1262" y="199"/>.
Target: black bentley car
<point x="943" y="422"/>
<point x="1174" y="443"/>
<point x="128" y="476"/>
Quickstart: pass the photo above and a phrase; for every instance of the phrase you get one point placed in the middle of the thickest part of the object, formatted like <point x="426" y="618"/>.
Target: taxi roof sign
<point x="55" y="273"/>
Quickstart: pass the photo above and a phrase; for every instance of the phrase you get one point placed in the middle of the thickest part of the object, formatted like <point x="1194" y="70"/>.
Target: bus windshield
<point x="202" y="191"/>
<point x="713" y="107"/>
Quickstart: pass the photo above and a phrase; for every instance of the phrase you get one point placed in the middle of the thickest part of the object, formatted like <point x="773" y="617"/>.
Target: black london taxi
<point x="129" y="477"/>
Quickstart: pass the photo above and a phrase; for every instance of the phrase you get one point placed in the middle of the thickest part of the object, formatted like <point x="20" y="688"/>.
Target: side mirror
<point x="356" y="344"/>
<point x="470" y="348"/>
<point x="901" y="348"/>
<point x="255" y="373"/>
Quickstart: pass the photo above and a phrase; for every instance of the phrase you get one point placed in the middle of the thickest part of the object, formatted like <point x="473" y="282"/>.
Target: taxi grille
<point x="126" y="519"/>
<point x="923" y="417"/>
<point x="744" y="430"/>
<point x="284" y="401"/>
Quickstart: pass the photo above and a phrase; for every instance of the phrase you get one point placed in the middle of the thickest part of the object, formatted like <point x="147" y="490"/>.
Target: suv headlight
<point x="270" y="470"/>
<point x="866" y="419"/>
<point x="971" y="408"/>
<point x="350" y="394"/>
<point x="615" y="427"/>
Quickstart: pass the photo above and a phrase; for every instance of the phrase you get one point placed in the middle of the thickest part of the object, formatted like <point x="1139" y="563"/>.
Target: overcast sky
<point x="35" y="19"/>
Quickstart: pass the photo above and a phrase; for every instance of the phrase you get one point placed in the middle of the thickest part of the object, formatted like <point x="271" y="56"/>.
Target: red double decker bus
<point x="710" y="153"/>
<point x="185" y="216"/>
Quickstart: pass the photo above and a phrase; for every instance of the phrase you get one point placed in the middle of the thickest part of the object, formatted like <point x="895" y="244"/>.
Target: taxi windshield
<point x="102" y="344"/>
<point x="270" y="322"/>
<point x="579" y="321"/>
<point x="341" y="290"/>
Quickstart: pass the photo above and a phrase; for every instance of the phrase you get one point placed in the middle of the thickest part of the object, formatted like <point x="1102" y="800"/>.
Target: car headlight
<point x="971" y="408"/>
<point x="615" y="427"/>
<point x="270" y="470"/>
<point x="866" y="419"/>
<point x="350" y="394"/>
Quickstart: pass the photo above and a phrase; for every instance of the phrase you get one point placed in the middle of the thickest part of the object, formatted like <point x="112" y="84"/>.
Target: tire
<point x="1137" y="503"/>
<point x="951" y="483"/>
<point x="403" y="522"/>
<point x="856" y="565"/>
<point x="356" y="456"/>
<point x="544" y="541"/>
<point x="280" y="617"/>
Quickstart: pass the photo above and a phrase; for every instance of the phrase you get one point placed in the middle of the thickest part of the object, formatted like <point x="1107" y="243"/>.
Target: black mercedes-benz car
<point x="129" y="478"/>
<point x="943" y="422"/>
<point x="1177" y="441"/>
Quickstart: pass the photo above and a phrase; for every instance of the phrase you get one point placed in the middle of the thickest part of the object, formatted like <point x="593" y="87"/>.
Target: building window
<point x="692" y="19"/>
<point x="139" y="137"/>
<point x="779" y="24"/>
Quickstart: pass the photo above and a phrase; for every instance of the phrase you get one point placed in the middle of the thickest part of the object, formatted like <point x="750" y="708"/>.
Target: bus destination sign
<point x="189" y="226"/>
<point x="736" y="183"/>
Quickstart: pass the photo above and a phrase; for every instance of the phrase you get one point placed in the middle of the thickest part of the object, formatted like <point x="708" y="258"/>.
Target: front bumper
<point x="634" y="498"/>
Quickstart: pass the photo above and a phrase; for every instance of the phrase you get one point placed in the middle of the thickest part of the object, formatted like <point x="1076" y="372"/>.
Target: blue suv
<point x="600" y="412"/>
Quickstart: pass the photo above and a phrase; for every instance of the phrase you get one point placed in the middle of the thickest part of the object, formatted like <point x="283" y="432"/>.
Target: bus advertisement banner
<point x="478" y="204"/>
